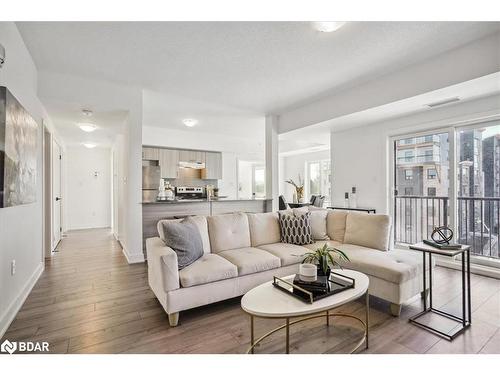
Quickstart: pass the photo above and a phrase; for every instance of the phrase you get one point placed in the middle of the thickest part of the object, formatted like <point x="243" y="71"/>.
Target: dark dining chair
<point x="318" y="202"/>
<point x="282" y="203"/>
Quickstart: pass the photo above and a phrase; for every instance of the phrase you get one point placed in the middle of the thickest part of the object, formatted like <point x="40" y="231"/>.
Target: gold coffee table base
<point x="326" y="315"/>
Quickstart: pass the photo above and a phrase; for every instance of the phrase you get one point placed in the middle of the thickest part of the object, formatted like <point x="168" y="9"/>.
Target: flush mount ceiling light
<point x="87" y="127"/>
<point x="89" y="145"/>
<point x="328" y="27"/>
<point x="190" y="122"/>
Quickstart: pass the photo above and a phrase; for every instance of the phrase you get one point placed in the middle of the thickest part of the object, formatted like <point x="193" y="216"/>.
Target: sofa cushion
<point x="295" y="229"/>
<point x="229" y="231"/>
<point x="395" y="266"/>
<point x="264" y="228"/>
<point x="207" y="269"/>
<point x="288" y="253"/>
<point x="251" y="260"/>
<point x="318" y="224"/>
<point x="185" y="239"/>
<point x="317" y="244"/>
<point x="368" y="230"/>
<point x="201" y="223"/>
<point x="335" y="224"/>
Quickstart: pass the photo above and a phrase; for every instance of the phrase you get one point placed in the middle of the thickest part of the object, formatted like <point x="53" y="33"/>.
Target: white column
<point x="272" y="160"/>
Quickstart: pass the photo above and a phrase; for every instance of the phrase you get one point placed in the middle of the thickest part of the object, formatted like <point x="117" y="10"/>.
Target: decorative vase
<point x="327" y="273"/>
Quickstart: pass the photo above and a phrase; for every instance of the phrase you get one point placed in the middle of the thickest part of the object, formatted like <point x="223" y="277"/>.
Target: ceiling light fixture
<point x="89" y="145"/>
<point x="190" y="122"/>
<point x="328" y="27"/>
<point x="87" y="127"/>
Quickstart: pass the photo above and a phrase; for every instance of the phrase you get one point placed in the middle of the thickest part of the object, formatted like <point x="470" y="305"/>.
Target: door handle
<point x="58" y="199"/>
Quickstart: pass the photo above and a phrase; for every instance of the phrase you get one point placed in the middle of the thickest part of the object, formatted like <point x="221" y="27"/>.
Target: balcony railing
<point x="477" y="221"/>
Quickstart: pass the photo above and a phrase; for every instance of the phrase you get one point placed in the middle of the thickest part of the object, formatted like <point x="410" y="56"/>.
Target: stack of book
<point x="444" y="246"/>
<point x="320" y="286"/>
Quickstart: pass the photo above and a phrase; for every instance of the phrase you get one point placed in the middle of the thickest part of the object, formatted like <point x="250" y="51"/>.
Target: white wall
<point x="232" y="148"/>
<point x="293" y="165"/>
<point x="88" y="197"/>
<point x="21" y="227"/>
<point x="360" y="156"/>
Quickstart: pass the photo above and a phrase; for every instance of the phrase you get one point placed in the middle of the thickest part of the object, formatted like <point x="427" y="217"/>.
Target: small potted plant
<point x="299" y="189"/>
<point x="324" y="258"/>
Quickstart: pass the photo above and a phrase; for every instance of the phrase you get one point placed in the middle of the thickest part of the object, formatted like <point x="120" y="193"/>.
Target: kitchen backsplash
<point x="191" y="177"/>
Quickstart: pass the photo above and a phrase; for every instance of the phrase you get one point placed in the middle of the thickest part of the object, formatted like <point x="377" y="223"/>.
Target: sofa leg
<point x="173" y="319"/>
<point x="395" y="309"/>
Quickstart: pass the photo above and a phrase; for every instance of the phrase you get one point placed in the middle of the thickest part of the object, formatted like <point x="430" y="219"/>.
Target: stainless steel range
<point x="190" y="193"/>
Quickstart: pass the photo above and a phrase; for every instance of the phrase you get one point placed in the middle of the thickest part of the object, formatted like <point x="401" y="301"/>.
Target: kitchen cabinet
<point x="213" y="166"/>
<point x="192" y="156"/>
<point x="150" y="153"/>
<point x="169" y="163"/>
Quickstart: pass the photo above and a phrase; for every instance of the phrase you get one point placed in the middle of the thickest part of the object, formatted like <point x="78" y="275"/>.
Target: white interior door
<point x="56" y="194"/>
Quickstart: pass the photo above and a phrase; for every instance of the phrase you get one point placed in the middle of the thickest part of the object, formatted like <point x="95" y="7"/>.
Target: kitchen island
<point x="152" y="212"/>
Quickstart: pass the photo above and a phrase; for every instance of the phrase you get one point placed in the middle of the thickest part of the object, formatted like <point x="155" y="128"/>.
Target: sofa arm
<point x="163" y="271"/>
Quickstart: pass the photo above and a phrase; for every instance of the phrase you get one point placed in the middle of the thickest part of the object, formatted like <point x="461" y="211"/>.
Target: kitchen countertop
<point x="182" y="201"/>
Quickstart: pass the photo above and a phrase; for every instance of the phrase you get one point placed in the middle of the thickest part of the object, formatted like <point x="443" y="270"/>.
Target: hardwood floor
<point x="90" y="300"/>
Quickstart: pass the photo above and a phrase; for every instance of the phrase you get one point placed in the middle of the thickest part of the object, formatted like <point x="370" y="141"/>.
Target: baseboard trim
<point x="474" y="267"/>
<point x="133" y="258"/>
<point x="16" y="305"/>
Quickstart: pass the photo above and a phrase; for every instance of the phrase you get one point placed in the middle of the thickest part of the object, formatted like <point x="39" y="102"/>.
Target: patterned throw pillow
<point x="296" y="229"/>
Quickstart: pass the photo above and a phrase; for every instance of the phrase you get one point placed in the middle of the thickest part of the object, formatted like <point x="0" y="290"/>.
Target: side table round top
<point x="268" y="301"/>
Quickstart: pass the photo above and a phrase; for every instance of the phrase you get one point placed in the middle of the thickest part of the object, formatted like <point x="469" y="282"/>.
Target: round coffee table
<point x="267" y="301"/>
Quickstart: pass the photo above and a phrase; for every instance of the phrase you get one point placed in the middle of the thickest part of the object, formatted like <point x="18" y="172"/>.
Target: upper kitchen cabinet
<point x="213" y="166"/>
<point x="169" y="163"/>
<point x="150" y="153"/>
<point x="191" y="156"/>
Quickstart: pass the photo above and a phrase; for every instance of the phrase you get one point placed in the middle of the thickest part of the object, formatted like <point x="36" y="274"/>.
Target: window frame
<point x="453" y="129"/>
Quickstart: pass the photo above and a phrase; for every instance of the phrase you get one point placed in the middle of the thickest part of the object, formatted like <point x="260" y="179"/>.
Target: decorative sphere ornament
<point x="442" y="235"/>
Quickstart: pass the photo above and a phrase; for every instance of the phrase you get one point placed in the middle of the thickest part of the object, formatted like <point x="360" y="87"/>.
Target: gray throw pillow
<point x="185" y="239"/>
<point x="296" y="229"/>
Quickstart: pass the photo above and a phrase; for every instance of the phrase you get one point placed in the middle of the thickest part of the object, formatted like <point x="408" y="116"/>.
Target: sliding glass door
<point x="449" y="177"/>
<point x="478" y="188"/>
<point x="421" y="185"/>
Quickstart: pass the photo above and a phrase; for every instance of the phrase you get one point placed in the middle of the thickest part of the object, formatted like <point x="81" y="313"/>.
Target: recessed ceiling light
<point x="87" y="127"/>
<point x="328" y="27"/>
<point x="89" y="145"/>
<point x="190" y="122"/>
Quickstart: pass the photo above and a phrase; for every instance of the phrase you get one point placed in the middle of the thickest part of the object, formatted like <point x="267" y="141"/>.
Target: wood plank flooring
<point x="90" y="300"/>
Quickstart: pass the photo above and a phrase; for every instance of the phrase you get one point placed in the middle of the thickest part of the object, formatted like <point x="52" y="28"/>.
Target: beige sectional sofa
<point x="242" y="251"/>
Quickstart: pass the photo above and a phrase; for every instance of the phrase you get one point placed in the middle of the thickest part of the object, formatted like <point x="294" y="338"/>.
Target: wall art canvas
<point x="18" y="152"/>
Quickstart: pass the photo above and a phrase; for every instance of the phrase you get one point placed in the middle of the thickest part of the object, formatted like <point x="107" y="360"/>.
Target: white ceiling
<point x="229" y="74"/>
<point x="259" y="66"/>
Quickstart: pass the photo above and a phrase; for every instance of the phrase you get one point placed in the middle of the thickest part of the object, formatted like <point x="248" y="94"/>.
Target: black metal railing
<point x="477" y="221"/>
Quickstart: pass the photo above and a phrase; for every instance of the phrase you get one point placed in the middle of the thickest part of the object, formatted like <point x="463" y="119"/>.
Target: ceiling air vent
<point x="443" y="102"/>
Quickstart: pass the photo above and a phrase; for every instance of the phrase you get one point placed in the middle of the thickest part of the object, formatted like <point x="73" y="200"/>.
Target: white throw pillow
<point x="368" y="230"/>
<point x="264" y="228"/>
<point x="318" y="224"/>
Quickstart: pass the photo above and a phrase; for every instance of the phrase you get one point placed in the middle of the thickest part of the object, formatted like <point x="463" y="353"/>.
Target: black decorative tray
<point x="336" y="283"/>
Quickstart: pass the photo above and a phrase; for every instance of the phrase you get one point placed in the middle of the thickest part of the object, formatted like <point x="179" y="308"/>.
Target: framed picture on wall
<point x="18" y="152"/>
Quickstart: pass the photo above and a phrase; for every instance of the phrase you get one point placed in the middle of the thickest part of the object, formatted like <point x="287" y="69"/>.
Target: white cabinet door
<point x="191" y="156"/>
<point x="213" y="166"/>
<point x="169" y="163"/>
<point x="150" y="153"/>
